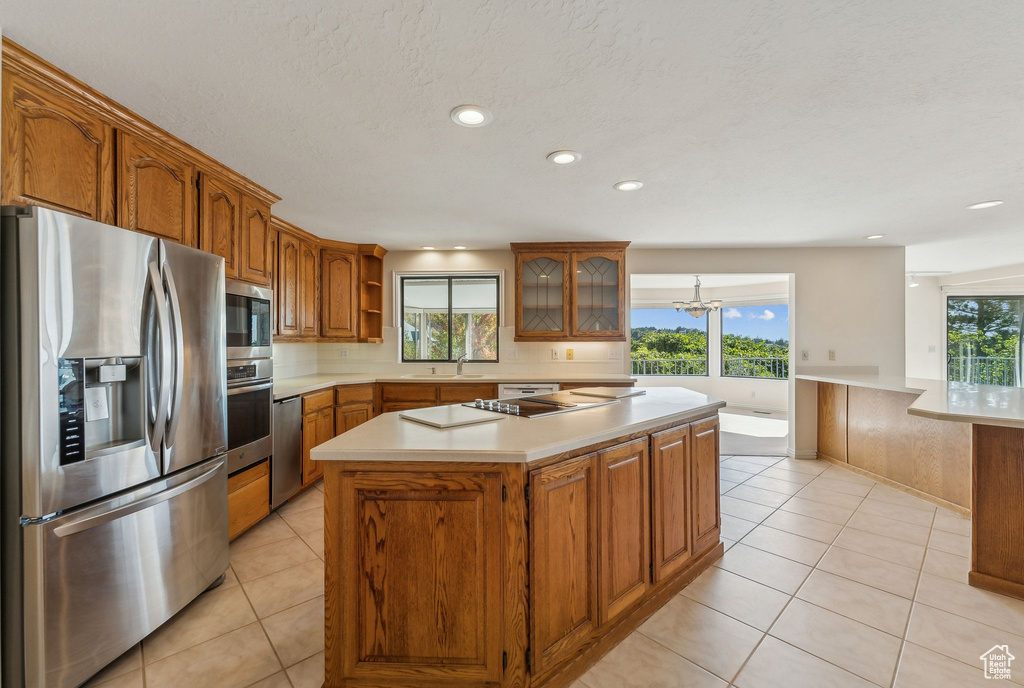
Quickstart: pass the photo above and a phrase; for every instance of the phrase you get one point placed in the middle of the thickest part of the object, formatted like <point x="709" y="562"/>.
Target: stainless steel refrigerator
<point x="114" y="476"/>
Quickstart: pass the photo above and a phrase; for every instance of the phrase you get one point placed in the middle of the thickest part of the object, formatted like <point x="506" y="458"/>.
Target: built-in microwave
<point x="249" y="311"/>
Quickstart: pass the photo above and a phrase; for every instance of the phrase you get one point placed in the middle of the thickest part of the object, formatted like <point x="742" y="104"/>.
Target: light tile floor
<point x="829" y="579"/>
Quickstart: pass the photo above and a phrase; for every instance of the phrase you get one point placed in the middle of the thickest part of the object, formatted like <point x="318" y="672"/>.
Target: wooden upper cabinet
<point x="542" y="295"/>
<point x="309" y="279"/>
<point x="54" y="153"/>
<point x="624" y="526"/>
<point x="563" y="559"/>
<point x="219" y="221"/>
<point x="671" y="502"/>
<point x="339" y="294"/>
<point x="287" y="293"/>
<point x="274" y="282"/>
<point x="707" y="521"/>
<point x="155" y="190"/>
<point x="570" y="291"/>
<point x="255" y="262"/>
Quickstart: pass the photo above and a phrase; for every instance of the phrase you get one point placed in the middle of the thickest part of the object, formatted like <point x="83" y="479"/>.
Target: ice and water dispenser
<point x="102" y="406"/>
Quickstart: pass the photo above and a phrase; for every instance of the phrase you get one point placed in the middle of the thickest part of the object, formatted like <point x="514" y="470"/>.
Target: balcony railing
<point x="984" y="370"/>
<point x="772" y="368"/>
<point x="670" y="366"/>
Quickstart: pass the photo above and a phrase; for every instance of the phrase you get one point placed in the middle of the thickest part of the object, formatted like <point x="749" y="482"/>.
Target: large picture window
<point x="983" y="339"/>
<point x="447" y="316"/>
<point x="755" y="341"/>
<point x="668" y="342"/>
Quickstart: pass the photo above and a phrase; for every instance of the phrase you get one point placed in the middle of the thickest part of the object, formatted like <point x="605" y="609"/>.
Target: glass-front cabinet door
<point x="542" y="309"/>
<point x="597" y="290"/>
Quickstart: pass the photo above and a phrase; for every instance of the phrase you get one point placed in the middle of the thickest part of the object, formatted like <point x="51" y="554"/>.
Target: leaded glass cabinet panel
<point x="542" y="307"/>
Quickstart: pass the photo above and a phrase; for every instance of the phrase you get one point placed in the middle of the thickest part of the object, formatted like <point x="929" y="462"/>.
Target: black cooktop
<point x="540" y="405"/>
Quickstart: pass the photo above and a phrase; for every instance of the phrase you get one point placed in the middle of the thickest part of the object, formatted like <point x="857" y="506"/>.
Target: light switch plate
<point x="831" y="354"/>
<point x="805" y="355"/>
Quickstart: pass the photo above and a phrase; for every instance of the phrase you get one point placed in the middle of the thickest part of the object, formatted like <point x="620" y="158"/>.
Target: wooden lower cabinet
<point x="671" y="463"/>
<point x="399" y="396"/>
<point x="317" y="428"/>
<point x="563" y="559"/>
<point x="248" y="498"/>
<point x="624" y="527"/>
<point x="706" y="508"/>
<point x="421" y="587"/>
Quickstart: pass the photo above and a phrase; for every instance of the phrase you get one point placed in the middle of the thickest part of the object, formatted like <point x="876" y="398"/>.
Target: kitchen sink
<point x="442" y="376"/>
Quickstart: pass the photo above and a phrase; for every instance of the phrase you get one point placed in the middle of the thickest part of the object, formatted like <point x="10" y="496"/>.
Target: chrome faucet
<point x="458" y="364"/>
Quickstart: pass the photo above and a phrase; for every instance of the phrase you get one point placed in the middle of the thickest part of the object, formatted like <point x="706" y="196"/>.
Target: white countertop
<point x="512" y="439"/>
<point x="293" y="386"/>
<point x="941" y="400"/>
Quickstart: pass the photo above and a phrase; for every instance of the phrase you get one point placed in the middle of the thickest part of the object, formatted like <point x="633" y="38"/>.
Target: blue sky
<point x="767" y="322"/>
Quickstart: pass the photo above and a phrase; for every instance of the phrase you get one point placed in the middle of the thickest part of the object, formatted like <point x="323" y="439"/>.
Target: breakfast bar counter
<point x="514" y="552"/>
<point x="958" y="445"/>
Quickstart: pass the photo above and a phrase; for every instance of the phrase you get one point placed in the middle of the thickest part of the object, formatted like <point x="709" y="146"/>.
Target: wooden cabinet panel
<point x="248" y="498"/>
<point x="272" y="248"/>
<point x="254" y="256"/>
<point x="406" y="392"/>
<point x="832" y="420"/>
<point x="439" y="622"/>
<point x="317" y="428"/>
<point x="287" y="294"/>
<point x="314" y="401"/>
<point x="339" y="286"/>
<point x="55" y="154"/>
<point x="563" y="559"/>
<point x="219" y="221"/>
<point x="707" y="523"/>
<point x="461" y="393"/>
<point x="356" y="394"/>
<point x="624" y="525"/>
<point x="671" y="503"/>
<point x="155" y="190"/>
<point x="351" y="415"/>
<point x="309" y="297"/>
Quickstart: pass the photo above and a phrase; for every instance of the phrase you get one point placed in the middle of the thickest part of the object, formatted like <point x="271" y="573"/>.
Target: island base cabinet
<point x="419" y="579"/>
<point x="707" y="513"/>
<point x="671" y="502"/>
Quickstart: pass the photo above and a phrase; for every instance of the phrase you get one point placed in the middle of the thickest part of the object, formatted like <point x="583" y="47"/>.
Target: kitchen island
<point x="959" y="446"/>
<point x="514" y="552"/>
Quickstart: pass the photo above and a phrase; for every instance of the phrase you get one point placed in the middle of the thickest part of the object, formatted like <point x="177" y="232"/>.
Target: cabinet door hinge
<point x="504" y="494"/>
<point x="504" y="661"/>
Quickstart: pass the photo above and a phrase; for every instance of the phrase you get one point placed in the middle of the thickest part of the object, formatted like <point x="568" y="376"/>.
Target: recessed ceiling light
<point x="874" y="236"/>
<point x="628" y="185"/>
<point x="984" y="204"/>
<point x="427" y="248"/>
<point x="459" y="248"/>
<point x="564" y="157"/>
<point x="471" y="116"/>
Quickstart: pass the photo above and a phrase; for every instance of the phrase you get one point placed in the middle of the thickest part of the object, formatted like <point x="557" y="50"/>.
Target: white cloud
<point x="731" y="313"/>
<point x="767" y="315"/>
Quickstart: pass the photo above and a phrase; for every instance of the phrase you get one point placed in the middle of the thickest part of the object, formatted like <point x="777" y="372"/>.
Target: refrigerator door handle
<point x="179" y="357"/>
<point x="158" y="414"/>
<point x="89" y="522"/>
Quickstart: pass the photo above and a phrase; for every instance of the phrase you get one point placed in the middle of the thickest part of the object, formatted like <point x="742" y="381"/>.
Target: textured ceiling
<point x="751" y="123"/>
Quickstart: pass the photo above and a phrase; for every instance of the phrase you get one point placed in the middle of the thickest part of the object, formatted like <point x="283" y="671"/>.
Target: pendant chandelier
<point x="697" y="307"/>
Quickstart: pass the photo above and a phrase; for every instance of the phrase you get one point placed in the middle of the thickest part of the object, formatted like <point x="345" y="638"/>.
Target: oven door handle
<point x="249" y="388"/>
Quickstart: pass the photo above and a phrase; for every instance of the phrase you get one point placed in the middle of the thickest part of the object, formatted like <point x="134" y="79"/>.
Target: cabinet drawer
<point x="409" y="392"/>
<point x="317" y="400"/>
<point x="390" y="406"/>
<point x="248" y="498"/>
<point x="353" y="394"/>
<point x="455" y="394"/>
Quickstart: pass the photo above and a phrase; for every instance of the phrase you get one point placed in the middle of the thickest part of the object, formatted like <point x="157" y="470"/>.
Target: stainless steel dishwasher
<point x="286" y="462"/>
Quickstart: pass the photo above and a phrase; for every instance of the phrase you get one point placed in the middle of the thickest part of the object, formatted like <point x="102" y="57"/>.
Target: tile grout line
<point x="913" y="603"/>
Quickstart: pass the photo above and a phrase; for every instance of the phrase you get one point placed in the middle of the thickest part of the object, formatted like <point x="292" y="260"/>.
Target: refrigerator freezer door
<point x="85" y="298"/>
<point x="197" y="427"/>
<point x="99" y="579"/>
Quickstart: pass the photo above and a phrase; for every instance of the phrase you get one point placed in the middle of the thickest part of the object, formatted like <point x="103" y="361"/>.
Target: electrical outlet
<point x="805" y="354"/>
<point x="342" y="353"/>
<point x="615" y="354"/>
<point x="753" y="394"/>
<point x="570" y="354"/>
<point x="831" y="354"/>
<point x="931" y="348"/>
<point x="554" y="354"/>
<point x="512" y="352"/>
